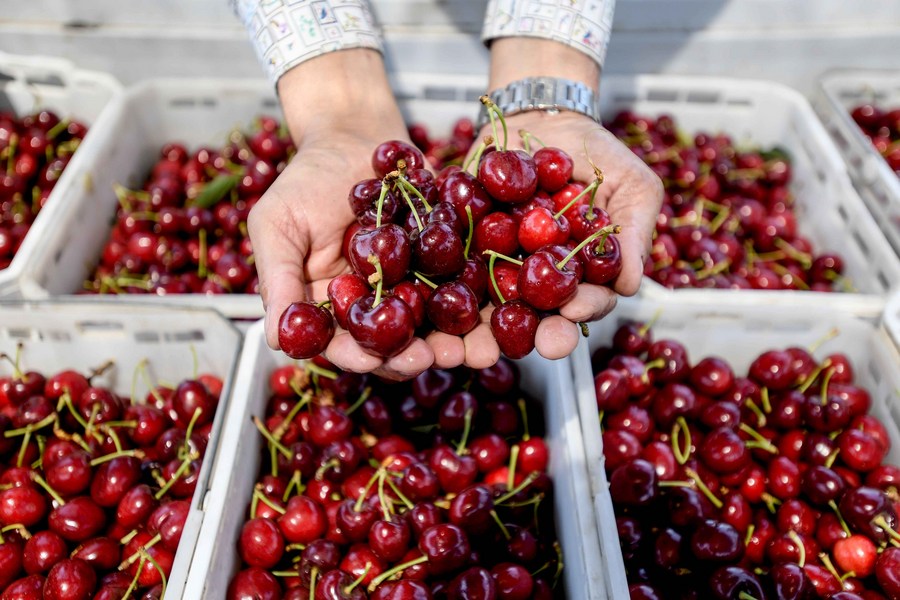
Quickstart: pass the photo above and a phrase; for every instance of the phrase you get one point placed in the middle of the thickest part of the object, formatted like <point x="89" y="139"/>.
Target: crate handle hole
<point x="49" y="80"/>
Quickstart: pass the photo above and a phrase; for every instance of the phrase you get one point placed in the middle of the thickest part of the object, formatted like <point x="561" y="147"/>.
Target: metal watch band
<point x="543" y="93"/>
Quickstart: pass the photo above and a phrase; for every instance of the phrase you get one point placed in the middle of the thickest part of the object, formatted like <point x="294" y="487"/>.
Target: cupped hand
<point x="297" y="230"/>
<point x="632" y="195"/>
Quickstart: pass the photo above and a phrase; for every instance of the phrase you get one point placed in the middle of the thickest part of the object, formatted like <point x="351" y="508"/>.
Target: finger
<point x="346" y="354"/>
<point x="482" y="350"/>
<point x="591" y="303"/>
<point x="279" y="265"/>
<point x="635" y="206"/>
<point x="556" y="338"/>
<point x="449" y="350"/>
<point x="416" y="358"/>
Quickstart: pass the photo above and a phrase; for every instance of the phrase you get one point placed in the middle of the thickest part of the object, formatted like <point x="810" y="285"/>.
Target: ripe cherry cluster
<point x="424" y="250"/>
<point x="34" y="150"/>
<point x="95" y="488"/>
<point x="728" y="218"/>
<point x="883" y="128"/>
<point x="434" y="488"/>
<point x="185" y="231"/>
<point x="769" y="485"/>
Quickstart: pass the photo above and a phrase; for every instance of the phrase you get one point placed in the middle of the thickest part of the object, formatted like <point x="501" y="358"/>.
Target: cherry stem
<point x="31" y="427"/>
<point x="379" y="207"/>
<point x="425" y="280"/>
<point x="282" y="428"/>
<point x="412" y="209"/>
<point x="880" y="521"/>
<point x="756" y="410"/>
<point x="832" y="333"/>
<point x="347" y="590"/>
<point x="159" y="569"/>
<point x="400" y="495"/>
<point x="23" y="531"/>
<point x="800" y="547"/>
<point x="11" y="156"/>
<point x="764" y="397"/>
<point x="493" y="110"/>
<point x="746" y="596"/>
<point x="471" y="233"/>
<point x="828" y="375"/>
<point x="523" y="410"/>
<point x="377" y="278"/>
<point x="527" y="136"/>
<point x="268" y="501"/>
<point x="182" y="468"/>
<point x="139" y="552"/>
<point x="831" y="458"/>
<point x="503" y="256"/>
<point x="714" y="269"/>
<point x="493" y="278"/>
<point x="587" y="190"/>
<point x="525" y="483"/>
<point x="770" y="501"/>
<point x="404" y="183"/>
<point x="681" y="454"/>
<point x="803" y="258"/>
<point x="604" y="233"/>
<point x="201" y="261"/>
<point x="381" y="498"/>
<point x="749" y="535"/>
<point x="500" y="524"/>
<point x="296" y="481"/>
<point x="811" y="378"/>
<point x="134" y="580"/>
<point x="475" y="158"/>
<point x="719" y="219"/>
<point x="703" y="488"/>
<point x="760" y="441"/>
<point x="367" y="391"/>
<point x="43" y="483"/>
<point x="393" y="571"/>
<point x="329" y="464"/>
<point x="826" y="561"/>
<point x="313" y="575"/>
<point x="362" y="496"/>
<point x="270" y="438"/>
<point x="511" y="469"/>
<point x="118" y="454"/>
<point x="467" y="419"/>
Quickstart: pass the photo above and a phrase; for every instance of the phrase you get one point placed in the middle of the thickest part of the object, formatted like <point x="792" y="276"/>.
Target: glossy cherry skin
<point x="508" y="175"/>
<point x="633" y="483"/>
<point x="729" y="581"/>
<point x="460" y="189"/>
<point x="389" y="244"/>
<point x="514" y="325"/>
<point x="497" y="231"/>
<point x="474" y="583"/>
<point x="453" y="308"/>
<point x="304" y="330"/>
<point x="343" y="291"/>
<point x="554" y="168"/>
<point x="261" y="543"/>
<point x="543" y="284"/>
<point x="602" y="264"/>
<point x="446" y="547"/>
<point x="70" y="579"/>
<point x="387" y="154"/>
<point x="254" y="583"/>
<point x="385" y="329"/>
<point x="887" y="571"/>
<point x="723" y="451"/>
<point x="437" y="250"/>
<point x="42" y="551"/>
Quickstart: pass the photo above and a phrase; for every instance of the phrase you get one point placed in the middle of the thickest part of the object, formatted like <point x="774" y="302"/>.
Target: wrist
<point x="517" y="58"/>
<point x="338" y="91"/>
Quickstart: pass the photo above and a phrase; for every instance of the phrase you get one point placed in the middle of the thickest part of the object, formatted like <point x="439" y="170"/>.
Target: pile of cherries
<point x="728" y="217"/>
<point x="424" y="251"/>
<point x="882" y="127"/>
<point x="185" y="231"/>
<point x="95" y="488"/>
<point x="34" y="150"/>
<point x="769" y="485"/>
<point x="443" y="152"/>
<point x="431" y="488"/>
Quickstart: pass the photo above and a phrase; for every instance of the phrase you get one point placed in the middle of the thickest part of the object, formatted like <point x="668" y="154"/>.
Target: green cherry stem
<point x="282" y="428"/>
<point x="493" y="278"/>
<point x="377" y="278"/>
<point x="467" y="428"/>
<point x="590" y="189"/>
<point x="175" y="477"/>
<point x="380" y="205"/>
<point x="527" y="136"/>
<point x="425" y="280"/>
<point x="394" y="570"/>
<point x="367" y="391"/>
<point x="471" y="233"/>
<point x="511" y="469"/>
<point x="800" y="547"/>
<point x="406" y="501"/>
<point x="43" y="483"/>
<point x="600" y="233"/>
<point x="494" y="111"/>
<point x="412" y="208"/>
<point x="692" y="474"/>
<point x="404" y="183"/>
<point x="271" y="438"/>
<point x="825" y="382"/>
<point x="475" y="158"/>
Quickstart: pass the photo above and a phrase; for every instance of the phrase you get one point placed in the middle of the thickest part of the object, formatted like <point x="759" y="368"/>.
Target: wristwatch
<point x="550" y="94"/>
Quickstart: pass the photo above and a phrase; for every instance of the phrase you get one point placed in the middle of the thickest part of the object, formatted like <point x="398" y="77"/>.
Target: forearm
<point x="336" y="90"/>
<point x="515" y="58"/>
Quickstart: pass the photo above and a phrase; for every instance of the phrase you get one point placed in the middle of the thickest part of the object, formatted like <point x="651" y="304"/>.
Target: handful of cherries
<point x="882" y="127"/>
<point x="95" y="488"/>
<point x="185" y="231"/>
<point x="727" y="219"/>
<point x="34" y="151"/>
<point x="769" y="485"/>
<point x="429" y="252"/>
<point x="433" y="488"/>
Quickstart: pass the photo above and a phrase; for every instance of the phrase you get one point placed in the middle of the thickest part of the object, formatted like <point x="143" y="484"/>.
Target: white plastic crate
<point x="840" y="92"/>
<point x="829" y="211"/>
<point x="196" y="112"/>
<point x="75" y="335"/>
<point x="228" y="495"/>
<point x="737" y="334"/>
<point x="892" y="319"/>
<point x="32" y="83"/>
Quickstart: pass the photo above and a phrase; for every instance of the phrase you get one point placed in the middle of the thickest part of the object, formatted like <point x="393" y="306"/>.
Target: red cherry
<point x="304" y="330"/>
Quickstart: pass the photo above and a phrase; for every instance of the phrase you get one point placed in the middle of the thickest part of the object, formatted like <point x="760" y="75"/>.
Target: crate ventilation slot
<point x="874" y="372"/>
<point x="190" y="102"/>
<point x="703" y="97"/>
<point x="662" y="95"/>
<point x="862" y="245"/>
<point x="47" y="80"/>
<point x="23" y="333"/>
<point x="153" y="337"/>
<point x="439" y="93"/>
<point x="269" y="103"/>
<point x="100" y="327"/>
<point x="739" y="102"/>
<point x="884" y="281"/>
<point x="4" y="76"/>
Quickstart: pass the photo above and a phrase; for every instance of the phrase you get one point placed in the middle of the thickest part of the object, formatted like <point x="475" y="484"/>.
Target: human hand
<point x="298" y="225"/>
<point x="631" y="193"/>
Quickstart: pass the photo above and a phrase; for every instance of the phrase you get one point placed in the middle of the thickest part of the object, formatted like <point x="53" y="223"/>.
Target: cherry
<point x="856" y="553"/>
<point x="389" y="244"/>
<point x="887" y="572"/>
<point x="70" y="579"/>
<point x="254" y="583"/>
<point x="69" y="475"/>
<point x="101" y="553"/>
<point x="446" y="547"/>
<point x="453" y="308"/>
<point x="460" y="190"/>
<point x="304" y="330"/>
<point x="113" y="479"/>
<point x="634" y="483"/>
<point x="543" y="283"/>
<point x="455" y="472"/>
<point x="22" y="504"/>
<point x="498" y="232"/>
<point x="387" y="154"/>
<point x="385" y="328"/>
<point x="602" y="260"/>
<point x="859" y="450"/>
<point x="868" y="511"/>
<point x="437" y="250"/>
<point x="389" y="540"/>
<point x="514" y="325"/>
<point x="723" y="451"/>
<point x="790" y="582"/>
<point x="508" y="175"/>
<point x="731" y="581"/>
<point x="42" y="551"/>
<point x="513" y="581"/>
<point x="554" y="168"/>
<point x="716" y="541"/>
<point x="261" y="543"/>
<point x="773" y="369"/>
<point x="475" y="583"/>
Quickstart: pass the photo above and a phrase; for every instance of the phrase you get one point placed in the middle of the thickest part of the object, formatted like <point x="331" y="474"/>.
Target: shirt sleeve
<point x="582" y="24"/>
<point x="286" y="33"/>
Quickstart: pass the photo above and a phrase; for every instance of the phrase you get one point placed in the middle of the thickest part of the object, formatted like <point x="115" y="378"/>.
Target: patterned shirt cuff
<point x="581" y="24"/>
<point x="286" y="33"/>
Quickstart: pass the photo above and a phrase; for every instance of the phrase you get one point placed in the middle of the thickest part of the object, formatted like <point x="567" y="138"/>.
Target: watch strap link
<point x="549" y="94"/>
